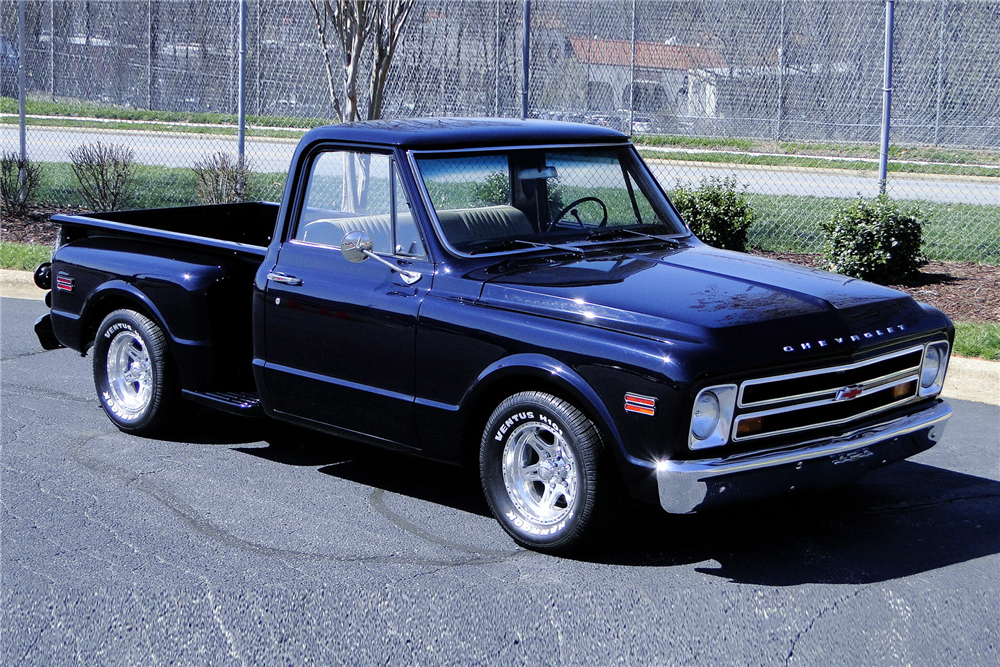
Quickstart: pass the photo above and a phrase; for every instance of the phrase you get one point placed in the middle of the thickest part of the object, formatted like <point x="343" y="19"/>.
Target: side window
<point x="348" y="191"/>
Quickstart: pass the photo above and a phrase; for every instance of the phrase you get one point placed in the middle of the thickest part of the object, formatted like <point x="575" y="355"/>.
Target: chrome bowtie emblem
<point x="847" y="393"/>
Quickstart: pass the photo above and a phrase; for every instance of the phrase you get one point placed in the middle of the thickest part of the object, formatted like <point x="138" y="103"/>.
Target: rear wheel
<point x="540" y="463"/>
<point x="133" y="372"/>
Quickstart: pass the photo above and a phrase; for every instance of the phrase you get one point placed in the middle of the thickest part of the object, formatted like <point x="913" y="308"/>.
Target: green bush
<point x="717" y="212"/>
<point x="494" y="191"/>
<point x="873" y="240"/>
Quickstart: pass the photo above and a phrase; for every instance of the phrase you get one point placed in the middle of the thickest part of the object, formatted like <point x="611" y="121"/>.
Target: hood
<point x="700" y="295"/>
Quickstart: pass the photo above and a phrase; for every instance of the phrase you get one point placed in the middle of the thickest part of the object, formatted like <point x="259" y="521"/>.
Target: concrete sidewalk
<point x="968" y="379"/>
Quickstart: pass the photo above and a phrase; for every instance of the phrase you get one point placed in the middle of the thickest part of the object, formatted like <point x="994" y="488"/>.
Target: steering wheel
<point x="604" y="218"/>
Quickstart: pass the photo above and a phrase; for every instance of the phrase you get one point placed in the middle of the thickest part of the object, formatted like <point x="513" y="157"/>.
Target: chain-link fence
<point x="784" y="95"/>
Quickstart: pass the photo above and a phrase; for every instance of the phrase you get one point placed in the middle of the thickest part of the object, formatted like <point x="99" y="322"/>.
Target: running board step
<point x="245" y="403"/>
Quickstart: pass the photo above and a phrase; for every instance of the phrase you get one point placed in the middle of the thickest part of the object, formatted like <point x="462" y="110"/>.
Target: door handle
<point x="284" y="278"/>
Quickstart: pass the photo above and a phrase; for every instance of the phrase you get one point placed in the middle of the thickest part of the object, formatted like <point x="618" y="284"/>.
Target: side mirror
<point x="355" y="246"/>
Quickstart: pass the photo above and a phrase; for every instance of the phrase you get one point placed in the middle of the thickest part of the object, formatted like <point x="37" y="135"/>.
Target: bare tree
<point x="345" y="28"/>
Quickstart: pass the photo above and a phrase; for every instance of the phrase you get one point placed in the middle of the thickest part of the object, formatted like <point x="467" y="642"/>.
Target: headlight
<point x="706" y="415"/>
<point x="712" y="417"/>
<point x="933" y="370"/>
<point x="932" y="366"/>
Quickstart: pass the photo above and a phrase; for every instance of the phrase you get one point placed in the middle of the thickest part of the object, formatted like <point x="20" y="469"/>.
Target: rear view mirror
<point x="537" y="174"/>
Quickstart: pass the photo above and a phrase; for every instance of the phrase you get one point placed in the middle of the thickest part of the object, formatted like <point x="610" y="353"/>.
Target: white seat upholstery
<point x="467" y="225"/>
<point x="331" y="231"/>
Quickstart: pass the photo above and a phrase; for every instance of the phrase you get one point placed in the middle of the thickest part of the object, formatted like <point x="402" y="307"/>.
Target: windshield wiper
<point x="606" y="233"/>
<point x="656" y="237"/>
<point x="509" y="244"/>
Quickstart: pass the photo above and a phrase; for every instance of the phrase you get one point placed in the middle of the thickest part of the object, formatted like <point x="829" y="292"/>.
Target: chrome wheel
<point x="540" y="473"/>
<point x="129" y="373"/>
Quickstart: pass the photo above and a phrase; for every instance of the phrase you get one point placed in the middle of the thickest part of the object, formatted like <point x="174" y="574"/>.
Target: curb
<point x="19" y="285"/>
<point x="975" y="380"/>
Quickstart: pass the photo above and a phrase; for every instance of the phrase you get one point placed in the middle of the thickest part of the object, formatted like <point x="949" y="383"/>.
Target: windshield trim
<point x="412" y="156"/>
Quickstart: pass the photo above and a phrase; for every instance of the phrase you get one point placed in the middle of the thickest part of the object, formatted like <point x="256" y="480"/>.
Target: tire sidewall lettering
<point x="510" y="422"/>
<point x="528" y="527"/>
<point x="118" y="411"/>
<point x="118" y="327"/>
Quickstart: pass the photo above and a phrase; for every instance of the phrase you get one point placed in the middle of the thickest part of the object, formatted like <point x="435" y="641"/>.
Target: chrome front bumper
<point x="687" y="486"/>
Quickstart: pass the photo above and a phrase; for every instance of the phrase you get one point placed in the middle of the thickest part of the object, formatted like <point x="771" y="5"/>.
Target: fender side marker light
<point x="644" y="405"/>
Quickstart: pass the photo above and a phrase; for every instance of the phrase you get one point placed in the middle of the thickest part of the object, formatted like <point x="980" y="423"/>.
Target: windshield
<point x="521" y="198"/>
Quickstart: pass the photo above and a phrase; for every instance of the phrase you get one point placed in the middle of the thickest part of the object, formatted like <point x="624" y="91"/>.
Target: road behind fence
<point x="784" y="95"/>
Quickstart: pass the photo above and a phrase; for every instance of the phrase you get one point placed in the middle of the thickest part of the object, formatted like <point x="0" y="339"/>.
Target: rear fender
<point x="193" y="356"/>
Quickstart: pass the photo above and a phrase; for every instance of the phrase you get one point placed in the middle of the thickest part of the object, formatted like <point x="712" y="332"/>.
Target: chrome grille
<point x="828" y="396"/>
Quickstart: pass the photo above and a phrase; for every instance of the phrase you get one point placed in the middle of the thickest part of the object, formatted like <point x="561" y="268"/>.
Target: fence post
<point x="242" y="102"/>
<point x="20" y="84"/>
<point x="52" y="50"/>
<point x="496" y="65"/>
<point x="525" y="58"/>
<point x="883" y="161"/>
<point x="631" y="92"/>
<point x="781" y="71"/>
<point x="149" y="54"/>
<point x="258" y="96"/>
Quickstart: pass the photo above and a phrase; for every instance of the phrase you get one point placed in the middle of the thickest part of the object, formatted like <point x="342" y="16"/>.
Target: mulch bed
<point x="965" y="291"/>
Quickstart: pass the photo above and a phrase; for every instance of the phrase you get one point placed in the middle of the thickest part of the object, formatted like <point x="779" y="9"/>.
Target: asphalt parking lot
<point x="245" y="542"/>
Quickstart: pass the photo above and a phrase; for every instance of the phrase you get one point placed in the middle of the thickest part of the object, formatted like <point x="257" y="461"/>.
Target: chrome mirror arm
<point x="409" y="277"/>
<point x="357" y="246"/>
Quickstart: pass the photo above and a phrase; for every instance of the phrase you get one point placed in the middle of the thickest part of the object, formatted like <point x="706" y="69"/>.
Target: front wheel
<point x="540" y="465"/>
<point x="133" y="372"/>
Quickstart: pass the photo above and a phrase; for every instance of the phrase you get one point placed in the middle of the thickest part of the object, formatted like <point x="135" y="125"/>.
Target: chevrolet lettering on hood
<point x="854" y="338"/>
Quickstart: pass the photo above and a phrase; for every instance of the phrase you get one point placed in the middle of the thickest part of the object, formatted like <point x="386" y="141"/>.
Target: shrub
<point x="873" y="240"/>
<point x="494" y="191"/>
<point x="221" y="179"/>
<point x="717" y="212"/>
<point x="19" y="182"/>
<point x="106" y="174"/>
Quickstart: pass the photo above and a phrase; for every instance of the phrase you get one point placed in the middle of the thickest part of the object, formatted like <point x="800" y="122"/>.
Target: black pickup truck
<point x="517" y="295"/>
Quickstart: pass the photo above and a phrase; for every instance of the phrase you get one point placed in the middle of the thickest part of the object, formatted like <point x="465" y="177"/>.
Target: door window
<point x="350" y="191"/>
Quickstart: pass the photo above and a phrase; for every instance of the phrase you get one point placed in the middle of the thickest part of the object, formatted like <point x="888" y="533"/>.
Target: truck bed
<point x="244" y="228"/>
<point x="189" y="268"/>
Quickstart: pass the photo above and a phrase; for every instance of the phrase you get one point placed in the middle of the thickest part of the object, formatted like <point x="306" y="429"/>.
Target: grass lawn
<point x="70" y="109"/>
<point x="978" y="339"/>
<point x="23" y="256"/>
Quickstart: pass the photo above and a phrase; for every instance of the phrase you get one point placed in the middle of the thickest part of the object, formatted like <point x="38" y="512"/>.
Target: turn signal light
<point x="904" y="390"/>
<point x="750" y="426"/>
